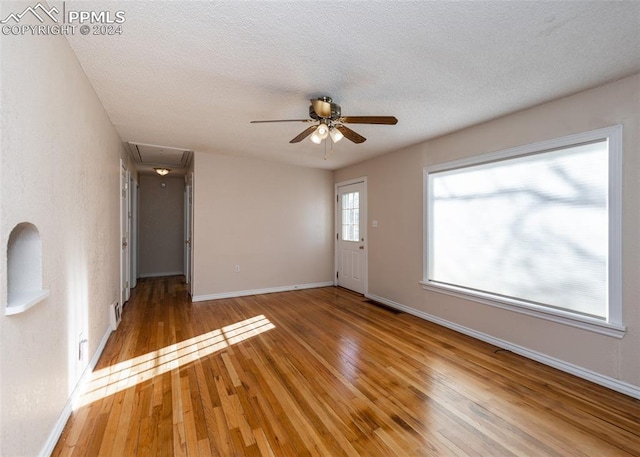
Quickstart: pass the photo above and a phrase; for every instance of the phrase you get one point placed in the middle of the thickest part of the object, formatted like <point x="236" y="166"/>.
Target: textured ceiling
<point x="193" y="74"/>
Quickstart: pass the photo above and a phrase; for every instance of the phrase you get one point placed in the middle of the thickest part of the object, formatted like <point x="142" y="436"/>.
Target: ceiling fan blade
<point x="350" y="134"/>
<point x="282" y="120"/>
<point x="386" y="120"/>
<point x="308" y="131"/>
<point x="322" y="108"/>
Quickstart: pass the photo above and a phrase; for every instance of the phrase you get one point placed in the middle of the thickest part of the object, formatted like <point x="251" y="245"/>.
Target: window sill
<point x="20" y="302"/>
<point x="585" y="323"/>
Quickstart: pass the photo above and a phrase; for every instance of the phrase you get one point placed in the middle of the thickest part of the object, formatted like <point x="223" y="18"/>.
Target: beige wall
<point x="60" y="171"/>
<point x="161" y="226"/>
<point x="275" y="221"/>
<point x="395" y="247"/>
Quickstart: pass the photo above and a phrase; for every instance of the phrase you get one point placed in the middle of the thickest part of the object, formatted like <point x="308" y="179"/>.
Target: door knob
<point x="361" y="247"/>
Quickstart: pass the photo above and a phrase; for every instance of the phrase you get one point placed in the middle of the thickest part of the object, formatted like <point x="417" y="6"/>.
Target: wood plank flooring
<point x="324" y="372"/>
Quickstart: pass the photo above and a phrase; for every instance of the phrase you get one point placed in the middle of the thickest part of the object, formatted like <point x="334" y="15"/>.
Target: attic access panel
<point x="150" y="154"/>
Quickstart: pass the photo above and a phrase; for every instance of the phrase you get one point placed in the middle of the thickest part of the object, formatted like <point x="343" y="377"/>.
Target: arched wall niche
<point x="24" y="269"/>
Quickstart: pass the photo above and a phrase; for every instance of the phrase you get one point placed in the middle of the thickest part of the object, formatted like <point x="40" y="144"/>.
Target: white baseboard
<point x="597" y="378"/>
<point x="54" y="436"/>
<point x="164" y="273"/>
<point x="269" y="290"/>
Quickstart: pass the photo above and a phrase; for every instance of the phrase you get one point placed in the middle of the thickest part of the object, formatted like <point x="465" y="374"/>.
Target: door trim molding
<point x="365" y="233"/>
<point x="134" y="188"/>
<point x="125" y="269"/>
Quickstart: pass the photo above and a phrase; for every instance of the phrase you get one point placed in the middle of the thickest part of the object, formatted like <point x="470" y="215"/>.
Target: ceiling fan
<point x="330" y="122"/>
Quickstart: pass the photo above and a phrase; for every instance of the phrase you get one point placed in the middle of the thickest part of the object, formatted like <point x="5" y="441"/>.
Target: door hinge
<point x="337" y="236"/>
<point x="337" y="274"/>
<point x="337" y="198"/>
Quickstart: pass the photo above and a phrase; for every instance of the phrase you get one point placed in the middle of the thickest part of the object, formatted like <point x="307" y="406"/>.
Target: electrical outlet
<point x="237" y="269"/>
<point x="82" y="343"/>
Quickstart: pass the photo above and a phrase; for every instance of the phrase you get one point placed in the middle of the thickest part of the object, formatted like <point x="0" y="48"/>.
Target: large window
<point x="535" y="228"/>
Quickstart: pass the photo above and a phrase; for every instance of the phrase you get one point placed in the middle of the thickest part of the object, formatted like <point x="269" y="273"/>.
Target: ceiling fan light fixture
<point x="322" y="131"/>
<point x="336" y="135"/>
<point x="315" y="137"/>
<point x="162" y="171"/>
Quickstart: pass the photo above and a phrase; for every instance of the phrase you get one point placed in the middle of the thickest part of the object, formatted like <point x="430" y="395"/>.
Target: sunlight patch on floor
<point x="129" y="373"/>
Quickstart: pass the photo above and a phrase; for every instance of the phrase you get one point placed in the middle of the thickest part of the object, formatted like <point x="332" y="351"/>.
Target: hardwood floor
<point x="324" y="372"/>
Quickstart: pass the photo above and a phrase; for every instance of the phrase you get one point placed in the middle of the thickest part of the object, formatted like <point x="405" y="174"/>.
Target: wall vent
<point x="116" y="315"/>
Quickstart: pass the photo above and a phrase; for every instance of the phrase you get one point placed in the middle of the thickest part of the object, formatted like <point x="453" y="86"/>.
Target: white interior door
<point x="124" y="233"/>
<point x="351" y="248"/>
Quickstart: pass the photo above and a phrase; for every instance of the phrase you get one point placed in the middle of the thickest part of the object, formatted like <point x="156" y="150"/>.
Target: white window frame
<point x="355" y="239"/>
<point x="613" y="325"/>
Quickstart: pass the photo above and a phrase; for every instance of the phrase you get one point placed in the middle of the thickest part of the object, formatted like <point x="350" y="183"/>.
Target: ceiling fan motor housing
<point x="335" y="113"/>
